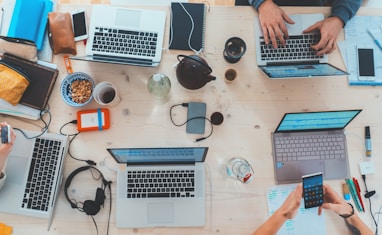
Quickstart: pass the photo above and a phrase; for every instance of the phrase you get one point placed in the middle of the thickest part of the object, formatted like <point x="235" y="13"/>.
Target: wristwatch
<point x="348" y="215"/>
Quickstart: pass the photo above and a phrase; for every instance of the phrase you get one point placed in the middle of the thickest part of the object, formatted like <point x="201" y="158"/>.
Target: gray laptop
<point x="309" y="142"/>
<point x="296" y="59"/>
<point x="125" y="36"/>
<point x="160" y="187"/>
<point x="33" y="174"/>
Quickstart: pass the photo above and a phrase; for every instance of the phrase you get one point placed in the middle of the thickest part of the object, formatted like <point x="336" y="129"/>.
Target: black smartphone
<point x="196" y="114"/>
<point x="79" y="25"/>
<point x="313" y="191"/>
<point x="5" y="134"/>
<point x="366" y="69"/>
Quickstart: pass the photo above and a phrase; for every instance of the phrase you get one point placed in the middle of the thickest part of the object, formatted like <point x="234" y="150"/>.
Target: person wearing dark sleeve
<point x="273" y="19"/>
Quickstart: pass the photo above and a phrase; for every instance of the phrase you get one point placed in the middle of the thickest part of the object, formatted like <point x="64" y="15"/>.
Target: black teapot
<point x="193" y="72"/>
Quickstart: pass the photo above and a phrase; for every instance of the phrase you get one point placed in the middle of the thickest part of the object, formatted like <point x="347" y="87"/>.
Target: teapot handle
<point x="200" y="62"/>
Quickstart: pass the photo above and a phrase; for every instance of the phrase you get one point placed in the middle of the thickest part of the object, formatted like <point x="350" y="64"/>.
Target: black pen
<point x="367" y="141"/>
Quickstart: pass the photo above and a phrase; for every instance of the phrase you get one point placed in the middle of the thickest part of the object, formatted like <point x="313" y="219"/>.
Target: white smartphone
<point x="80" y="27"/>
<point x="366" y="68"/>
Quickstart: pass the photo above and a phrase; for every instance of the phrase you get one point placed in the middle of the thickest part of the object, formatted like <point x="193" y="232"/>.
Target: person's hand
<point x="6" y="148"/>
<point x="329" y="29"/>
<point x="333" y="201"/>
<point x="272" y="21"/>
<point x="291" y="204"/>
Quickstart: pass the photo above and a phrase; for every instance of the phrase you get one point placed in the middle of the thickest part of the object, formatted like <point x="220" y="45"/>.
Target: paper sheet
<point x="307" y="221"/>
<point x="356" y="35"/>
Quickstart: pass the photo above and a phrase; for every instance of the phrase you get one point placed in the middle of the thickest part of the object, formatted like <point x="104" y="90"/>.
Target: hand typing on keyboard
<point x="273" y="21"/>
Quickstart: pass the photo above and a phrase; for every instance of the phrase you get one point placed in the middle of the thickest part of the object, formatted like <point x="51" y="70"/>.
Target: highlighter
<point x="345" y="191"/>
<point x="367" y="141"/>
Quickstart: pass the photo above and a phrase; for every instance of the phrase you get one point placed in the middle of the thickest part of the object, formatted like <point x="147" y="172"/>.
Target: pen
<point x="367" y="141"/>
<point x="353" y="193"/>
<point x="376" y="41"/>
<point x="358" y="189"/>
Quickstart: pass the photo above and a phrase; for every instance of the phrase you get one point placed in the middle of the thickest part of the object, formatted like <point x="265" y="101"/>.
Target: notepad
<point x="187" y="26"/>
<point x="29" y="20"/>
<point x="307" y="221"/>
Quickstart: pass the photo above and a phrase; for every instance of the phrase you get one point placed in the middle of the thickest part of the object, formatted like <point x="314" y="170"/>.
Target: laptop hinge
<point x="121" y="60"/>
<point x="288" y="63"/>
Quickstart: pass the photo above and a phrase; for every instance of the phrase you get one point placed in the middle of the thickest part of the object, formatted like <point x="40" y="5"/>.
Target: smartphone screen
<point x="313" y="191"/>
<point x="79" y="25"/>
<point x="366" y="63"/>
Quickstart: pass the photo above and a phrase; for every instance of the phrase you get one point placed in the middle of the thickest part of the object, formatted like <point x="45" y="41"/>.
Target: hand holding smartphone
<point x="5" y="134"/>
<point x="312" y="189"/>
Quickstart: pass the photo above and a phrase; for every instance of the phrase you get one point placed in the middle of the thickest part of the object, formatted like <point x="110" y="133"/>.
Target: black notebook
<point x="181" y="26"/>
<point x="41" y="81"/>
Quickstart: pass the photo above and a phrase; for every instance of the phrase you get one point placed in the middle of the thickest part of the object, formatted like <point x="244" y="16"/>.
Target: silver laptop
<point x="34" y="173"/>
<point x="296" y="59"/>
<point x="309" y="142"/>
<point x="125" y="36"/>
<point x="160" y="187"/>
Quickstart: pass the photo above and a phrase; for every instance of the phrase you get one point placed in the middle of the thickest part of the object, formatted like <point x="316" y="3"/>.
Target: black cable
<point x="190" y="119"/>
<point x="90" y="162"/>
<point x="368" y="196"/>
<point x="44" y="129"/>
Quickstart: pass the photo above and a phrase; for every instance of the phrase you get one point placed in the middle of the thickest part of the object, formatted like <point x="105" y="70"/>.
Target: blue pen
<point x="375" y="33"/>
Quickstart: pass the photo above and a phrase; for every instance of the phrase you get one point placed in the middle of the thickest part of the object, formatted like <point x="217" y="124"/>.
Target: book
<point x="29" y="20"/>
<point x="42" y="79"/>
<point x="187" y="26"/>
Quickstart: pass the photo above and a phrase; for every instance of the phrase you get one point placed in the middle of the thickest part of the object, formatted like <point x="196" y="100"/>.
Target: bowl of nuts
<point x="77" y="89"/>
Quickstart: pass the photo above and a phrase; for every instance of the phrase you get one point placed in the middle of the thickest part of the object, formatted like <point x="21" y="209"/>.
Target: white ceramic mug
<point x="105" y="93"/>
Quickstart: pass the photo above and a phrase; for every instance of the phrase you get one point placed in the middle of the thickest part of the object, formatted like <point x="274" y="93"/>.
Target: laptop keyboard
<point x="297" y="47"/>
<point x="39" y="184"/>
<point x="160" y="183"/>
<point x="309" y="147"/>
<point x="124" y="42"/>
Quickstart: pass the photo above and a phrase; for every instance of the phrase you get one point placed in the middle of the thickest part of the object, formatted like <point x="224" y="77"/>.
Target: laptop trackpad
<point x="159" y="213"/>
<point x="312" y="166"/>
<point x="128" y="18"/>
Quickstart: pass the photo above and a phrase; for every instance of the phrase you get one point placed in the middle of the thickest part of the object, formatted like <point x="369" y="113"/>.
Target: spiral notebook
<point x="187" y="26"/>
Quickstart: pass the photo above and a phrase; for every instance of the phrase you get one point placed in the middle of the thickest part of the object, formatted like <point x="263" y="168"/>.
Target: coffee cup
<point x="230" y="75"/>
<point x="105" y="93"/>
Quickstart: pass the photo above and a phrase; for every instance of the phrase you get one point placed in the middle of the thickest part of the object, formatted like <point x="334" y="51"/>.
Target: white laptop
<point x="125" y="36"/>
<point x="160" y="187"/>
<point x="296" y="59"/>
<point x="33" y="193"/>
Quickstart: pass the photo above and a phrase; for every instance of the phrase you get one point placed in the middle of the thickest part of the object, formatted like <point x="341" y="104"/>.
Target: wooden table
<point x="252" y="107"/>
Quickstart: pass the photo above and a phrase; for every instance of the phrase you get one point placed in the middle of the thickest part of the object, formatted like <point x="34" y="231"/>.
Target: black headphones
<point x="90" y="207"/>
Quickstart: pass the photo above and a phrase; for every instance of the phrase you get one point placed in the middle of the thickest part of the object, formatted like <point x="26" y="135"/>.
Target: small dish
<point x="77" y="89"/>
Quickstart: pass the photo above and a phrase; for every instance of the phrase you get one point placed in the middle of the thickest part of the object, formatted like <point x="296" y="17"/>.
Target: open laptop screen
<point x="158" y="155"/>
<point x="301" y="70"/>
<point x="316" y="120"/>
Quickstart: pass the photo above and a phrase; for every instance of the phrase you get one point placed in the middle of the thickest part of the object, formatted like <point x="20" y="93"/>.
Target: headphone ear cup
<point x="100" y="196"/>
<point x="91" y="207"/>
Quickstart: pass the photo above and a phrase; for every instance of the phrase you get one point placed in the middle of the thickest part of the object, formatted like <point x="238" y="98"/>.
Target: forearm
<point x="357" y="224"/>
<point x="345" y="9"/>
<point x="272" y="225"/>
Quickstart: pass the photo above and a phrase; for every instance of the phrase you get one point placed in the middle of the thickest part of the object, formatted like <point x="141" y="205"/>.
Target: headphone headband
<point x="100" y="196"/>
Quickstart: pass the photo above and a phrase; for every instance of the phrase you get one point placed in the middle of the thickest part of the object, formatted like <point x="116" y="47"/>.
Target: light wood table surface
<point x="252" y="107"/>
